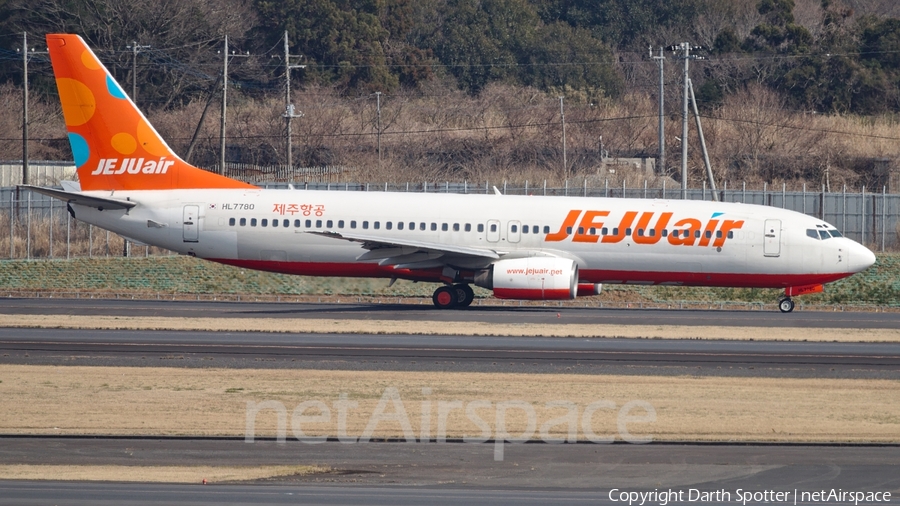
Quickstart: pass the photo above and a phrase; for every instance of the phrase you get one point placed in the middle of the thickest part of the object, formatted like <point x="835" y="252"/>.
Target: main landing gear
<point x="453" y="296"/>
<point x="786" y="305"/>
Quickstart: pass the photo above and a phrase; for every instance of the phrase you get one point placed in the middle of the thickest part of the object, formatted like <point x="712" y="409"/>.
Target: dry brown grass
<point x="152" y="474"/>
<point x="162" y="400"/>
<point x="562" y="328"/>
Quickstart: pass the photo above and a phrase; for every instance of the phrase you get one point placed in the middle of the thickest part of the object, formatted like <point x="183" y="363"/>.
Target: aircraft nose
<point x="861" y="258"/>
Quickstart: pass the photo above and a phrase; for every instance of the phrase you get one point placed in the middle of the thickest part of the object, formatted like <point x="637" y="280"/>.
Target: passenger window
<point x="513" y="228"/>
<point x="524" y="229"/>
<point x="388" y="225"/>
<point x="377" y="225"/>
<point x="340" y="223"/>
<point x="444" y="227"/>
<point x="296" y="223"/>
<point x="318" y="223"/>
<point x="696" y="234"/>
<point x="286" y="223"/>
<point x="604" y="231"/>
<point x="674" y="233"/>
<point x="231" y="222"/>
<point x="352" y="223"/>
<point x="399" y="225"/>
<point x="708" y="234"/>
<point x="810" y="232"/>
<point x="422" y="226"/>
<point x="534" y="229"/>
<point x="480" y="227"/>
<point x="468" y="227"/>
<point x="494" y="227"/>
<point x="365" y="225"/>
<point x="616" y="231"/>
<point x="580" y="230"/>
<point x="730" y="234"/>
<point x="628" y="231"/>
<point x="569" y="230"/>
<point x="274" y="223"/>
<point x="652" y="232"/>
<point x="546" y="229"/>
<point x="329" y="224"/>
<point x="665" y="233"/>
<point x="640" y="232"/>
<point x="252" y="222"/>
<point x="308" y="223"/>
<point x="718" y="234"/>
<point x="433" y="227"/>
<point x="265" y="222"/>
<point x="412" y="225"/>
<point x="243" y="222"/>
<point x="592" y="231"/>
<point x="456" y="227"/>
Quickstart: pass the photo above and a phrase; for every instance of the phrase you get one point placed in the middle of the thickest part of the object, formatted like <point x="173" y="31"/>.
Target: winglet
<point x="114" y="146"/>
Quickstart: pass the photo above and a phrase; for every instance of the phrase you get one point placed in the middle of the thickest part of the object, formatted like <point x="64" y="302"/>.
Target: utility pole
<point x="25" y="108"/>
<point x="225" y="104"/>
<point x="25" y="55"/>
<point x="135" y="49"/>
<point x="660" y="62"/>
<point x="289" y="112"/>
<point x="686" y="48"/>
<point x="378" y="123"/>
<point x="562" y="115"/>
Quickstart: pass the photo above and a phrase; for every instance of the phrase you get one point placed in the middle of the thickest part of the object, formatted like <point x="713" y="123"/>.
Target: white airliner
<point x="521" y="247"/>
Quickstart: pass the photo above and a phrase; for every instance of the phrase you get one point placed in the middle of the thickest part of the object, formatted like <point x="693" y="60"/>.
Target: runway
<point x="452" y="473"/>
<point x="508" y="314"/>
<point x="471" y="353"/>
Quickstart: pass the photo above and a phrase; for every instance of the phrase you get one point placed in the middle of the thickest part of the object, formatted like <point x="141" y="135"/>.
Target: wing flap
<point x="374" y="243"/>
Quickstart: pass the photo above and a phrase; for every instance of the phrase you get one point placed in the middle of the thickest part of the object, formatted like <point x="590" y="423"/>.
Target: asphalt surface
<point x="448" y="353"/>
<point x="452" y="473"/>
<point x="508" y="314"/>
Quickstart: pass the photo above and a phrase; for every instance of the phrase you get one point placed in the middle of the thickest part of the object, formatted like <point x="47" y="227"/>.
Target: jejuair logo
<point x="645" y="228"/>
<point x="111" y="166"/>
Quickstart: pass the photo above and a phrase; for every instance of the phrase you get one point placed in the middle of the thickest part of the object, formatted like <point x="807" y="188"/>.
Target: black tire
<point x="465" y="295"/>
<point x="445" y="297"/>
<point x="786" y="305"/>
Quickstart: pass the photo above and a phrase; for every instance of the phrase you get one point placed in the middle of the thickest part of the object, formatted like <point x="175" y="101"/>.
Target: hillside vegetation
<point x="794" y="91"/>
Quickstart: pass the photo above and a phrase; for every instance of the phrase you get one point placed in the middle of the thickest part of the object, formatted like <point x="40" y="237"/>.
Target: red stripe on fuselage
<point x="373" y="270"/>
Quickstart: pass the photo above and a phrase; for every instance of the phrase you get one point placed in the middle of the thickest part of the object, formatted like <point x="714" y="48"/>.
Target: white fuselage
<point x="622" y="240"/>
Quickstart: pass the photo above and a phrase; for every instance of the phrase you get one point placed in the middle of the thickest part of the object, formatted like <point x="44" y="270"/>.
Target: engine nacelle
<point x="534" y="278"/>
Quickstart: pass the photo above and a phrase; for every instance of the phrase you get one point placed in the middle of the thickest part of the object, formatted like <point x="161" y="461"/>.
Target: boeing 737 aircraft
<point x="521" y="247"/>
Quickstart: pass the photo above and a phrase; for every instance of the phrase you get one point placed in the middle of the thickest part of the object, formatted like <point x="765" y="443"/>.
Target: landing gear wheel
<point x="445" y="297"/>
<point x="786" y="305"/>
<point x="465" y="295"/>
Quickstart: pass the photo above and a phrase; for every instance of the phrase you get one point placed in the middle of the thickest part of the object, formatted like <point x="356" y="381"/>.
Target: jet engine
<point x="533" y="278"/>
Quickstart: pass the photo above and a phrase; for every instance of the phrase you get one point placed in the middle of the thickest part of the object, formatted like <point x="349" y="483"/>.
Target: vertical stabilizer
<point x="114" y="146"/>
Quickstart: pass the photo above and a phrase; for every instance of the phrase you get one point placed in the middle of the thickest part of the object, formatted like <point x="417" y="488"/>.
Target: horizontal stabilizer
<point x="81" y="199"/>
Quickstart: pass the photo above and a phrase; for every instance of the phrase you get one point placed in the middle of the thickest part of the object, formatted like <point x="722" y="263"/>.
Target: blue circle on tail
<point x="80" y="150"/>
<point x="113" y="88"/>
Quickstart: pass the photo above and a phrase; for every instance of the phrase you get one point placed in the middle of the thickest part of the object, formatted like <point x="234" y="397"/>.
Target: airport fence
<point x="36" y="226"/>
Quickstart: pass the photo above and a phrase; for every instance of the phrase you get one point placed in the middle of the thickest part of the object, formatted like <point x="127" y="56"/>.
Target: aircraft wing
<point x="404" y="253"/>
<point x="81" y="199"/>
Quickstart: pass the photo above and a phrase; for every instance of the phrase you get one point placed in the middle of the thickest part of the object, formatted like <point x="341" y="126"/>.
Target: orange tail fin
<point x="114" y="146"/>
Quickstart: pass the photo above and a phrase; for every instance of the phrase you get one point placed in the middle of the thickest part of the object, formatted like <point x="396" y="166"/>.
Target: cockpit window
<point x="811" y="232"/>
<point x="824" y="234"/>
<point x="835" y="233"/>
